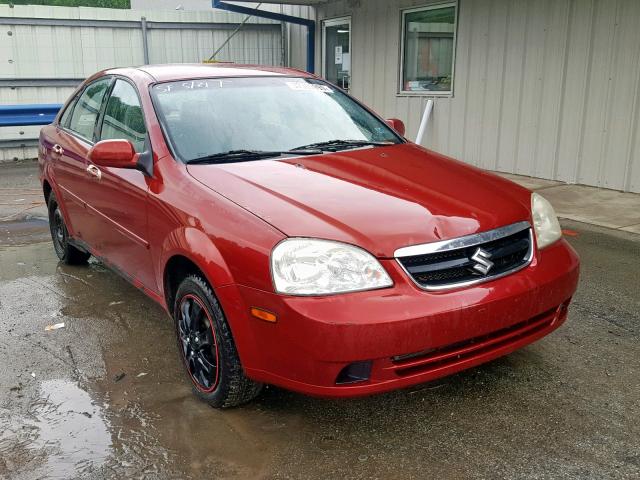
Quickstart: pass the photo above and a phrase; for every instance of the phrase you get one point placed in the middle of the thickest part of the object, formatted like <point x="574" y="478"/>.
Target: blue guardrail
<point x="24" y="115"/>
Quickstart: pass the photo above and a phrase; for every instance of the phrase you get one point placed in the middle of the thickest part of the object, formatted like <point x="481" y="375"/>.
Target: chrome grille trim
<point x="461" y="242"/>
<point x="465" y="242"/>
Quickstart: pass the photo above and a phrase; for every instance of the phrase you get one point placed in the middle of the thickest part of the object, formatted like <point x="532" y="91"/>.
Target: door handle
<point x="57" y="149"/>
<point x="94" y="171"/>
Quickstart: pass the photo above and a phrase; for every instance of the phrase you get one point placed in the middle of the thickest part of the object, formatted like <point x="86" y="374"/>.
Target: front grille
<point x="452" y="264"/>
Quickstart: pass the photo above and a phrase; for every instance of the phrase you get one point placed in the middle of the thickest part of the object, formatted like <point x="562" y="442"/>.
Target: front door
<point x="336" y="51"/>
<point x="119" y="196"/>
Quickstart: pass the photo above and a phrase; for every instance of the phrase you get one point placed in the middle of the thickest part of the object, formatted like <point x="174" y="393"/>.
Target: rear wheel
<point x="207" y="348"/>
<point x="66" y="252"/>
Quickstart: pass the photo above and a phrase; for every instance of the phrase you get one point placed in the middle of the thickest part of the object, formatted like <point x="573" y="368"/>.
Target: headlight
<point x="545" y="221"/>
<point x="303" y="266"/>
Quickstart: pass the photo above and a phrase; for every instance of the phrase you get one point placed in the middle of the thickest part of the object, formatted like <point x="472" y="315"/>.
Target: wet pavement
<point x="105" y="396"/>
<point x="20" y="192"/>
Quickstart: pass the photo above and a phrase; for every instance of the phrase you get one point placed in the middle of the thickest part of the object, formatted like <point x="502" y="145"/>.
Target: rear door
<point x="118" y="196"/>
<point x="74" y="136"/>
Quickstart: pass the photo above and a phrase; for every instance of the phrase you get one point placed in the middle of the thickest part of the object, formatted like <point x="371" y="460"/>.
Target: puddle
<point x="72" y="430"/>
<point x="63" y="434"/>
<point x="13" y="264"/>
<point x="24" y="230"/>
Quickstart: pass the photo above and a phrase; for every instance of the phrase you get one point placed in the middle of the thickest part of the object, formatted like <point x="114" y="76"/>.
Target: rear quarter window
<point x="66" y="115"/>
<point x="87" y="109"/>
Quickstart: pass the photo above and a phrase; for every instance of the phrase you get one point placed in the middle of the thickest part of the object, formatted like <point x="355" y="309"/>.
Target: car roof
<point x="182" y="71"/>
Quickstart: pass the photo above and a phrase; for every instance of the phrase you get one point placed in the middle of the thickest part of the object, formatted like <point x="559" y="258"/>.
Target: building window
<point x="428" y="46"/>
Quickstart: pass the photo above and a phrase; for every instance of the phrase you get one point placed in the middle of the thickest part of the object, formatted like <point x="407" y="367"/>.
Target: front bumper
<point x="411" y="336"/>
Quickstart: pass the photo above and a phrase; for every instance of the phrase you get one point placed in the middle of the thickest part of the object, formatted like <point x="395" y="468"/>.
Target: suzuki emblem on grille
<point x="483" y="264"/>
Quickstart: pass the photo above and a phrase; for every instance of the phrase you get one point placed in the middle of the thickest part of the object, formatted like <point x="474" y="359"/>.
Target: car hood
<point x="378" y="198"/>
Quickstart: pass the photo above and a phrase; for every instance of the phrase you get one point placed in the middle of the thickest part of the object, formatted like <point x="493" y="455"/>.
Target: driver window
<point x="123" y="117"/>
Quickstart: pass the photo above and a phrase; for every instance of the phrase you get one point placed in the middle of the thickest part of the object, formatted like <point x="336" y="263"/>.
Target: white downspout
<point x="425" y="121"/>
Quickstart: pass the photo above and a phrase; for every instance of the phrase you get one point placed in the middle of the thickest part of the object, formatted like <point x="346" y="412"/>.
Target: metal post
<point x="425" y="121"/>
<point x="145" y="41"/>
<point x="283" y="41"/>
<point x="288" y="40"/>
<point x="311" y="48"/>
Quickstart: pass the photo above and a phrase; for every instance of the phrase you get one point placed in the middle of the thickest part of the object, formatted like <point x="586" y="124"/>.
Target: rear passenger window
<point x="123" y="119"/>
<point x="85" y="114"/>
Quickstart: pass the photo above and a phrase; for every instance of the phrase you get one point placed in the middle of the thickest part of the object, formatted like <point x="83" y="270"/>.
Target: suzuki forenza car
<point x="296" y="238"/>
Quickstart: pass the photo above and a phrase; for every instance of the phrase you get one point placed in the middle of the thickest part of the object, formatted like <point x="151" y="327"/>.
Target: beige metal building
<point x="546" y="88"/>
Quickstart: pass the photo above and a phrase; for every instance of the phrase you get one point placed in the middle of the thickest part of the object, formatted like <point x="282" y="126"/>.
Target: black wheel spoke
<point x="204" y="379"/>
<point x="196" y="314"/>
<point x="186" y="314"/>
<point x="206" y="363"/>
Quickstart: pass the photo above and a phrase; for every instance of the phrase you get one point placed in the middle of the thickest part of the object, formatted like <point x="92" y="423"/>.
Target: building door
<point x="336" y="51"/>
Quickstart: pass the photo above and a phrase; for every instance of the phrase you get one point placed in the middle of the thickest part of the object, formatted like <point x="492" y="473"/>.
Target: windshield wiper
<point x="249" y="155"/>
<point x="335" y="145"/>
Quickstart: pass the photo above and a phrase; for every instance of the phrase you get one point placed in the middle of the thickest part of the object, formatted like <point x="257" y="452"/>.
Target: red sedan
<point x="295" y="237"/>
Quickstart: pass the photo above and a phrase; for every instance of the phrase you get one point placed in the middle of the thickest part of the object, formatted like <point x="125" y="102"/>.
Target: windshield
<point x="209" y="117"/>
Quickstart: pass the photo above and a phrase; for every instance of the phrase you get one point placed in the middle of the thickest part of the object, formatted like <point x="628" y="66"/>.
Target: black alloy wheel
<point x="66" y="252"/>
<point x="207" y="348"/>
<point x="58" y="232"/>
<point x="198" y="342"/>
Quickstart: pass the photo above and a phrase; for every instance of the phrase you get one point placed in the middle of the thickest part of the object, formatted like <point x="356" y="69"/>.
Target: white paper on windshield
<point x="309" y="87"/>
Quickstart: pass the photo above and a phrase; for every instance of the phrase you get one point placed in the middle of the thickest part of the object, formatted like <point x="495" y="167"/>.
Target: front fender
<point x="196" y="246"/>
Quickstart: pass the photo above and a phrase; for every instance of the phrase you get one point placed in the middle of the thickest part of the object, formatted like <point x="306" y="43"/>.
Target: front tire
<point x="207" y="348"/>
<point x="66" y="252"/>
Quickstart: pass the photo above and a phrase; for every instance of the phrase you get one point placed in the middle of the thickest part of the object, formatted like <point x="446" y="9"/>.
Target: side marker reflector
<point x="263" y="315"/>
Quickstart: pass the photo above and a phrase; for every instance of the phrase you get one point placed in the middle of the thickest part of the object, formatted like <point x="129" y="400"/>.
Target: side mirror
<point x="114" y="153"/>
<point x="397" y="125"/>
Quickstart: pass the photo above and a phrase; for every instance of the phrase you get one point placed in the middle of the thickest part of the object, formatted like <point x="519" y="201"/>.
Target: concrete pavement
<point x="596" y="206"/>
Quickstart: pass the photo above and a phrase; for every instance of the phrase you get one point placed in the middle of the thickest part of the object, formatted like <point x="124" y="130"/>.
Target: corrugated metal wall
<point x="42" y="53"/>
<point x="547" y="88"/>
<point x="296" y="34"/>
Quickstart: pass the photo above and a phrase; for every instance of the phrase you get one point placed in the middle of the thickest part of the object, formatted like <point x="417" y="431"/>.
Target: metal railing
<point x="25" y="115"/>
